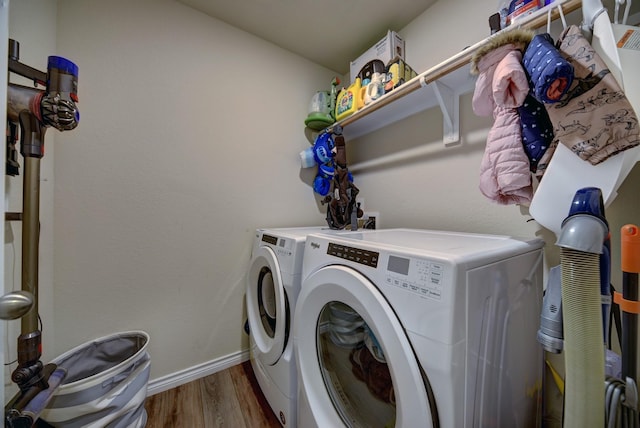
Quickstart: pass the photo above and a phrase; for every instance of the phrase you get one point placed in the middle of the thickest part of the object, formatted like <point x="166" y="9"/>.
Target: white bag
<point x="105" y="386"/>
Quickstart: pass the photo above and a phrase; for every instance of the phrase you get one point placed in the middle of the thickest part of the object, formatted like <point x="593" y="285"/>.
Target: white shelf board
<point x="418" y="93"/>
<point x="423" y="98"/>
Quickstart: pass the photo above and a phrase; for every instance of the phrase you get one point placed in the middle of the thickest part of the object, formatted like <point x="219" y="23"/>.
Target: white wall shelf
<point x="441" y="85"/>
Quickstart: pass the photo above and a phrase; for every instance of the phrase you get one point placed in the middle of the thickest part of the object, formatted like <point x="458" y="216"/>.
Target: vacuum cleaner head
<point x="586" y="227"/>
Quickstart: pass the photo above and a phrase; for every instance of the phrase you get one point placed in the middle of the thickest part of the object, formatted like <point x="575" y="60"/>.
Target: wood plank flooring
<point x="230" y="398"/>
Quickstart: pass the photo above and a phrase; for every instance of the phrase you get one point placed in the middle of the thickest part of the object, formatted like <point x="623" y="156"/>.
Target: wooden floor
<point x="230" y="398"/>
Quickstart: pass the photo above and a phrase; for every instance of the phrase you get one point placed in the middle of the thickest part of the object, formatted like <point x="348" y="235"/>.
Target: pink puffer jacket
<point x="501" y="88"/>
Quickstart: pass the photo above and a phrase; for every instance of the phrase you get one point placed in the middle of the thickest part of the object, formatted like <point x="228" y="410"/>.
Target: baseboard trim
<point x="190" y="374"/>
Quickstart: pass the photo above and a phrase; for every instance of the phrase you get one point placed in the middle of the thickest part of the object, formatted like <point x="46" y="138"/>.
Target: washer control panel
<point x="281" y="246"/>
<point x="358" y="255"/>
<point x="422" y="277"/>
<point x="269" y="239"/>
<point x="419" y="276"/>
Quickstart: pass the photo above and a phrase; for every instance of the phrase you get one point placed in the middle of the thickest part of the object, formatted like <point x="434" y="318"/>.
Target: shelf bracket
<point x="449" y="102"/>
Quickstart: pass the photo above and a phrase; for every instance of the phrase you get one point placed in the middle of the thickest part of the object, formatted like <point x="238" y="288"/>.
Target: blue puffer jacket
<point x="550" y="75"/>
<point x="537" y="131"/>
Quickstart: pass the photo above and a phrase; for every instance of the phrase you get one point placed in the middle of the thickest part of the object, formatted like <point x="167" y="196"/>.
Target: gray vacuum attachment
<point x="550" y="334"/>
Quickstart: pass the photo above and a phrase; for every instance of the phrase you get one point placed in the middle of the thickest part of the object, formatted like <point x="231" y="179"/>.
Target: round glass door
<point x="266" y="306"/>
<point x="267" y="301"/>
<point x="354" y="369"/>
<point x="357" y="366"/>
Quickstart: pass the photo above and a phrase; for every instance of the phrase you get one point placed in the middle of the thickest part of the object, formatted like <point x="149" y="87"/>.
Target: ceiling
<point x="328" y="32"/>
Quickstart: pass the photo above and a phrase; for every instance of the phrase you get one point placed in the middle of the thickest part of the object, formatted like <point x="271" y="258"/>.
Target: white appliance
<point x="414" y="328"/>
<point x="273" y="285"/>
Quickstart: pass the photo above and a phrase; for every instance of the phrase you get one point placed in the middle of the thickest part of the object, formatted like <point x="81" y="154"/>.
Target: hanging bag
<point x="594" y="118"/>
<point x="342" y="205"/>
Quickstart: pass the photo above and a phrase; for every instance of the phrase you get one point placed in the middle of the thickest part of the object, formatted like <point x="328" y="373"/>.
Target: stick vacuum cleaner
<point x="574" y="315"/>
<point x="35" y="110"/>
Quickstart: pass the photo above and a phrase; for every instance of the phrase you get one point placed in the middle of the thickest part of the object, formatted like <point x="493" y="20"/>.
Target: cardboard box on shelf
<point x="388" y="48"/>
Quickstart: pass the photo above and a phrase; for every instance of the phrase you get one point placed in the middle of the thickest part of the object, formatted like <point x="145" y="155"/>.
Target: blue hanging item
<point x="322" y="182"/>
<point x="333" y="180"/>
<point x="550" y="75"/>
<point x="537" y="132"/>
<point x="321" y="152"/>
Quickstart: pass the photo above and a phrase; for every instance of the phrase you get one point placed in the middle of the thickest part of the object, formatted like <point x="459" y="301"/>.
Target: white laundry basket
<point x="106" y="384"/>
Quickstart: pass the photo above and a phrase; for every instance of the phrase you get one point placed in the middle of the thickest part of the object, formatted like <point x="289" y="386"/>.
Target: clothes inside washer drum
<point x="373" y="373"/>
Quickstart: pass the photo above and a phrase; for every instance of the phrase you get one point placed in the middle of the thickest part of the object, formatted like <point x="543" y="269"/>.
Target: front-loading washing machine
<point x="416" y="328"/>
<point x="273" y="284"/>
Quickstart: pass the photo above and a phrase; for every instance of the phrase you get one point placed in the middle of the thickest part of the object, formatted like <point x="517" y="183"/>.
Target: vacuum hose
<point x="581" y="241"/>
<point x="583" y="339"/>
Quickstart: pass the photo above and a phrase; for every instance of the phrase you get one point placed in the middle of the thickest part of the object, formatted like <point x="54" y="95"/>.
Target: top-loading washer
<point x="413" y="328"/>
<point x="273" y="284"/>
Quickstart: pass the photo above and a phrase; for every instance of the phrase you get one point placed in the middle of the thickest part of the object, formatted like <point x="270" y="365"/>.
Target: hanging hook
<point x="591" y="9"/>
<point x="562" y="18"/>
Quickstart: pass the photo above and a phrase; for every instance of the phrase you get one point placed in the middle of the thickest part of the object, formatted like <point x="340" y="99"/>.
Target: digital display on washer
<point x="358" y="255"/>
<point x="269" y="239"/>
<point x="398" y="265"/>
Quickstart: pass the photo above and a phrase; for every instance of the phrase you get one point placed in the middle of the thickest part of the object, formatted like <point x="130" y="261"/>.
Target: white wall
<point x="188" y="141"/>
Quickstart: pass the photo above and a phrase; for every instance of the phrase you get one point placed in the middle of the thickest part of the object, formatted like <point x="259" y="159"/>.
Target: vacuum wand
<point x="36" y="110"/>
<point x="630" y="263"/>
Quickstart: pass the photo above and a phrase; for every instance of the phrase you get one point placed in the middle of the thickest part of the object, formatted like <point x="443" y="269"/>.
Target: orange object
<point x="628" y="306"/>
<point x="630" y="248"/>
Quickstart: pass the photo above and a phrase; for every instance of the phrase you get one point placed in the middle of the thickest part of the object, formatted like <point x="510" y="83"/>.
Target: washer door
<point x="266" y="306"/>
<point x="356" y="364"/>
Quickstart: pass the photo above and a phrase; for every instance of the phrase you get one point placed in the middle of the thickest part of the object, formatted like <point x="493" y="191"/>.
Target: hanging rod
<point x="533" y="21"/>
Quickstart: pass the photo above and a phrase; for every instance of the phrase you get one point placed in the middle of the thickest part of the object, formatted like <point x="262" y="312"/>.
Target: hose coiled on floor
<point x="620" y="402"/>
